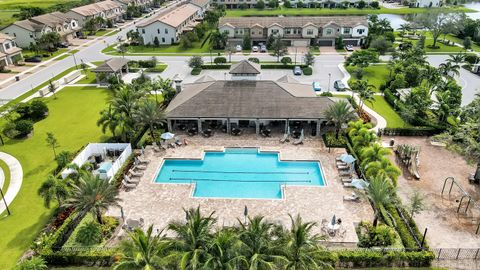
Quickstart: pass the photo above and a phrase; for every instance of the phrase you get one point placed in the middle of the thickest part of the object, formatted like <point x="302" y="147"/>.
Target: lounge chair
<point x="285" y="138"/>
<point x="127" y="185"/>
<point x="135" y="174"/>
<point x="299" y="141"/>
<point x="338" y="159"/>
<point x="341" y="166"/>
<point x="140" y="160"/>
<point x="139" y="167"/>
<point x="348" y="185"/>
<point x="353" y="198"/>
<point x="129" y="180"/>
<point x="346" y="180"/>
<point x="345" y="173"/>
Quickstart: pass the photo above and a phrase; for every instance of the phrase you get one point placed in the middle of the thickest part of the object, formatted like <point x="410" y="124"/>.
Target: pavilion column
<point x="286" y="126"/>
<point x="169" y="125"/>
<point x="96" y="78"/>
<point x="127" y="68"/>
<point x="228" y="126"/>
<point x="199" y="121"/>
<point x="257" y="126"/>
<point x="319" y="122"/>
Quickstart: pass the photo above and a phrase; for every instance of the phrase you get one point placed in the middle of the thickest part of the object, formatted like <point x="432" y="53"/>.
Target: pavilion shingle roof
<point x="249" y="22"/>
<point x="112" y="65"/>
<point x="245" y="67"/>
<point x="248" y="99"/>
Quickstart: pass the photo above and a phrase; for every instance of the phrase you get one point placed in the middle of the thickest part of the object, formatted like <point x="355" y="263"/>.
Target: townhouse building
<point x="109" y="10"/>
<point x="28" y="31"/>
<point x="297" y="31"/>
<point x="204" y="5"/>
<point x="9" y="52"/>
<point x="167" y="27"/>
<point x="140" y="3"/>
<point x="306" y="3"/>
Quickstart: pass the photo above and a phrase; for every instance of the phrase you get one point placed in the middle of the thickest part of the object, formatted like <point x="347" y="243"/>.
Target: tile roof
<point x="112" y="65"/>
<point x="248" y="22"/>
<point x="95" y="8"/>
<point x="51" y="19"/>
<point x="247" y="99"/>
<point x="29" y="25"/>
<point x="245" y="67"/>
<point x="4" y="37"/>
<point x="200" y="3"/>
<point x="174" y="17"/>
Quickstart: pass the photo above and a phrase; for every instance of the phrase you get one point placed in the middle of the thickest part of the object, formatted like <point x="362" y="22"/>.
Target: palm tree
<point x="108" y="120"/>
<point x="364" y="90"/>
<point x="383" y="168"/>
<point x="355" y="127"/>
<point x="448" y="68"/>
<point x="124" y="104"/>
<point x="149" y="114"/>
<point x="258" y="244"/>
<point x="223" y="251"/>
<point x="142" y="251"/>
<point x="54" y="189"/>
<point x="380" y="194"/>
<point x="405" y="27"/>
<point x="339" y="113"/>
<point x="456" y="59"/>
<point x="431" y="75"/>
<point x="373" y="153"/>
<point x="92" y="194"/>
<point x="363" y="139"/>
<point x="190" y="247"/>
<point x="164" y="85"/>
<point x="301" y="247"/>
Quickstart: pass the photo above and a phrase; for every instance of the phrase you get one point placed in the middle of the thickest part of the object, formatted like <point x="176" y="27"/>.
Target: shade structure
<point x="334" y="220"/>
<point x="347" y="158"/>
<point x="167" y="136"/>
<point x="359" y="183"/>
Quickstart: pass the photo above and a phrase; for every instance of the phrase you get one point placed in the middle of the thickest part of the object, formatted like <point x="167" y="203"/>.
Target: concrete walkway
<point x="381" y="122"/>
<point x="16" y="178"/>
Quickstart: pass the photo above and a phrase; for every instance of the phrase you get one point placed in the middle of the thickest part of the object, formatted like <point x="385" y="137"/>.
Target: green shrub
<point x="23" y="127"/>
<point x="307" y="71"/>
<point x="402" y="230"/>
<point x="102" y="257"/>
<point x="158" y="69"/>
<point x="38" y="109"/>
<point x="220" y="60"/>
<point x="412" y="131"/>
<point x="379" y="236"/>
<point x="254" y="60"/>
<point x="218" y="66"/>
<point x="377" y="258"/>
<point x="286" y="60"/>
<point x="471" y="58"/>
<point x="331" y="141"/>
<point x="196" y="71"/>
<point x="35" y="263"/>
<point x="277" y="66"/>
<point x="108" y="227"/>
<point x="326" y="94"/>
<point x="89" y="234"/>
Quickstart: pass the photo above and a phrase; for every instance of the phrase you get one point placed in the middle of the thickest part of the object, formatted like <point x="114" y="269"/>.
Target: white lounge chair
<point x="344" y="173"/>
<point x="127" y="185"/>
<point x="285" y="138"/>
<point x="135" y="174"/>
<point x="353" y="198"/>
<point x="299" y="141"/>
<point x="127" y="179"/>
<point x="139" y="167"/>
<point x="348" y="185"/>
<point x="141" y="160"/>
<point x="342" y="167"/>
<point x="346" y="180"/>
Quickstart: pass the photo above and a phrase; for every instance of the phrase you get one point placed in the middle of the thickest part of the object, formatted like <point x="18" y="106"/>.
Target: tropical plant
<point x="416" y="202"/>
<point x="383" y="168"/>
<point x="448" y="68"/>
<point x="363" y="139"/>
<point x="149" y="114"/>
<point x="355" y="127"/>
<point x="278" y="47"/>
<point x="89" y="234"/>
<point x="224" y="251"/>
<point x="62" y="159"/>
<point x="142" y="251"/>
<point x="339" y="113"/>
<point x="309" y="58"/>
<point x="35" y="263"/>
<point x="195" y="62"/>
<point x="92" y="194"/>
<point x="52" y="142"/>
<point x="364" y="90"/>
<point x="54" y="189"/>
<point x="380" y="193"/>
<point x="190" y="247"/>
<point x="373" y="153"/>
<point x="109" y="120"/>
<point x="52" y="88"/>
<point x="405" y="27"/>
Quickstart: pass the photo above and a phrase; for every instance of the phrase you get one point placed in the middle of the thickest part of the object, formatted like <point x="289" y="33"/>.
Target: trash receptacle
<point x="17" y="78"/>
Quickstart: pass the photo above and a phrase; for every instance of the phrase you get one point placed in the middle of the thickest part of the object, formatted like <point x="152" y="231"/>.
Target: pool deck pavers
<point x="159" y="204"/>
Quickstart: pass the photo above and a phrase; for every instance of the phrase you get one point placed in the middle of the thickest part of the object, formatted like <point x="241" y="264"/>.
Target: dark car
<point x="339" y="86"/>
<point x="63" y="45"/>
<point x="34" y="59"/>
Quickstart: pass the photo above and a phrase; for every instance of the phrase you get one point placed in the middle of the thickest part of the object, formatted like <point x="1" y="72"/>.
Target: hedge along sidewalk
<point x="16" y="178"/>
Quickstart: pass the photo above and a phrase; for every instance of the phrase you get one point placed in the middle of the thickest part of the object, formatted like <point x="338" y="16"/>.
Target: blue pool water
<point x="240" y="173"/>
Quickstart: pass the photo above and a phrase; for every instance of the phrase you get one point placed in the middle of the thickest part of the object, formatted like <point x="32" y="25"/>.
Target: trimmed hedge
<point x="89" y="258"/>
<point x="196" y="71"/>
<point x="307" y="71"/>
<point x="384" y="258"/>
<point x="280" y="66"/>
<point x="215" y="66"/>
<point x="411" y="131"/>
<point x="330" y="140"/>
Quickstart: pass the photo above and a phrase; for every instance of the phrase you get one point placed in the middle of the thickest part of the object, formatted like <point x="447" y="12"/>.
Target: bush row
<point x="89" y="258"/>
<point x="411" y="131"/>
<point x="407" y="238"/>
<point x="280" y="66"/>
<point x="215" y="66"/>
<point x="331" y="141"/>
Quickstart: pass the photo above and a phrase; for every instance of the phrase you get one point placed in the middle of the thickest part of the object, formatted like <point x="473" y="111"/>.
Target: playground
<point x="446" y="227"/>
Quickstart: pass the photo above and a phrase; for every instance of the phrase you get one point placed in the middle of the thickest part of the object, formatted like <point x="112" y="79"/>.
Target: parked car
<point x="255" y="49"/>
<point x="120" y="21"/>
<point x="263" y="48"/>
<point x="316" y="87"/>
<point x="63" y="45"/>
<point x="297" y="70"/>
<point x="339" y="86"/>
<point x="238" y="48"/>
<point x="34" y="59"/>
<point x="349" y="48"/>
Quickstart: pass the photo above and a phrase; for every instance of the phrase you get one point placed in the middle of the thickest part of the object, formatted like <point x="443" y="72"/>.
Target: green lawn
<point x="158" y="69"/>
<point x="107" y="32"/>
<point x="88" y="79"/>
<point x="442" y="47"/>
<point x="74" y="125"/>
<point x="6" y="17"/>
<point x="28" y="53"/>
<point x="374" y="74"/>
<point x="383" y="108"/>
<point x="6" y="173"/>
<point x="327" y="11"/>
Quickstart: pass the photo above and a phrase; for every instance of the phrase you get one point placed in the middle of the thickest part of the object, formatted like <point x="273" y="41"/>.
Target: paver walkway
<point x="16" y="178"/>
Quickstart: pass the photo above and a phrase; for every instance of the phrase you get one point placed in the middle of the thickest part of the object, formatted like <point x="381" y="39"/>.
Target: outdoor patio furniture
<point x="132" y="224"/>
<point x="139" y="167"/>
<point x="353" y="198"/>
<point x="342" y="167"/>
<point x="135" y="174"/>
<point x="299" y="141"/>
<point x="285" y="138"/>
<point x="348" y="185"/>
<point x="172" y="145"/>
<point x="346" y="180"/>
<point x="178" y="142"/>
<point x="130" y="180"/>
<point x="127" y="185"/>
<point x="192" y="132"/>
<point x="344" y="173"/>
<point x="141" y="160"/>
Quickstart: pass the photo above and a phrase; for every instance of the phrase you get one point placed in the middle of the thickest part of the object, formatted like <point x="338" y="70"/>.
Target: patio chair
<point x="342" y="167"/>
<point x="344" y="173"/>
<point x="129" y="180"/>
<point x="299" y="141"/>
<point x="348" y="185"/>
<point x="135" y="174"/>
<point x="285" y="138"/>
<point x="141" y="160"/>
<point x="352" y="198"/>
<point x="346" y="180"/>
<point x="139" y="167"/>
<point x="127" y="185"/>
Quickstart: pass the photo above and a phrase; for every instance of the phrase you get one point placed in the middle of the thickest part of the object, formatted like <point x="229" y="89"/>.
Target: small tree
<point x="220" y="60"/>
<point x="260" y="4"/>
<point x="84" y="68"/>
<point x="52" y="142"/>
<point x="467" y="43"/>
<point x="381" y="44"/>
<point x="279" y="48"/>
<point x="286" y="60"/>
<point x="416" y="203"/>
<point x="339" y="44"/>
<point x="309" y="59"/>
<point x="287" y="4"/>
<point x="195" y="62"/>
<point x="421" y="42"/>
<point x="156" y="42"/>
<point x="270" y="41"/>
<point x="52" y="88"/>
<point x="361" y="4"/>
<point x="273" y="3"/>
<point x="247" y="42"/>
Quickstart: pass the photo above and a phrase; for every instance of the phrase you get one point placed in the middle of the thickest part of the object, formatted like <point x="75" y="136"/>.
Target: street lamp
<point x="5" y="202"/>
<point x="74" y="60"/>
<point x="329" y="78"/>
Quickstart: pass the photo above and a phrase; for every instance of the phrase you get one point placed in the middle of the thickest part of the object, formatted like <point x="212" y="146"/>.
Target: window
<point x="166" y="31"/>
<point x="143" y="31"/>
<point x="158" y="31"/>
<point x="329" y="31"/>
<point x="346" y="31"/>
<point x="7" y="46"/>
<point x="288" y="31"/>
<point x="274" y="31"/>
<point x="360" y="31"/>
<point x="163" y="40"/>
<point x="309" y="31"/>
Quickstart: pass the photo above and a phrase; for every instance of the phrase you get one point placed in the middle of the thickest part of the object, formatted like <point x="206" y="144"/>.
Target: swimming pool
<point x="240" y="173"/>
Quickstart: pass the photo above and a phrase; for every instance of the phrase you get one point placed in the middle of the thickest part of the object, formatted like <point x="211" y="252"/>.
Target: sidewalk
<point x="16" y="178"/>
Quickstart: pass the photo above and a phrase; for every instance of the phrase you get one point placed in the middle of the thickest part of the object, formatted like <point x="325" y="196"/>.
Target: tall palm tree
<point x="108" y="120"/>
<point x="448" y="68"/>
<point x="54" y="189"/>
<point x="364" y="90"/>
<point x="142" y="251"/>
<point x="363" y="139"/>
<point x="383" y="168"/>
<point x="339" y="113"/>
<point x="404" y="27"/>
<point x="92" y="194"/>
<point x="258" y="243"/>
<point x="149" y="114"/>
<point x="124" y="104"/>
<point x="190" y="247"/>
<point x="355" y="127"/>
<point x="224" y="251"/>
<point x="373" y="153"/>
<point x="431" y="75"/>
<point x="380" y="194"/>
<point x="456" y="59"/>
<point x="301" y="247"/>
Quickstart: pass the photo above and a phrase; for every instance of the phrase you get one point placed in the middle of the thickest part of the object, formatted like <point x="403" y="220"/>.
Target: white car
<point x="238" y="48"/>
<point x="349" y="48"/>
<point x="255" y="49"/>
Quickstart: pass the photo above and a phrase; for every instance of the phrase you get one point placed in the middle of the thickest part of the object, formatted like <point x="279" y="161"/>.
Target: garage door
<point x="325" y="43"/>
<point x="300" y="43"/>
<point x="352" y="42"/>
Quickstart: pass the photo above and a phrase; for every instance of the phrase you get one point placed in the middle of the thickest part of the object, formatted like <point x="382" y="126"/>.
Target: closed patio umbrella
<point x="334" y="220"/>
<point x="167" y="136"/>
<point x="359" y="183"/>
<point x="347" y="159"/>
